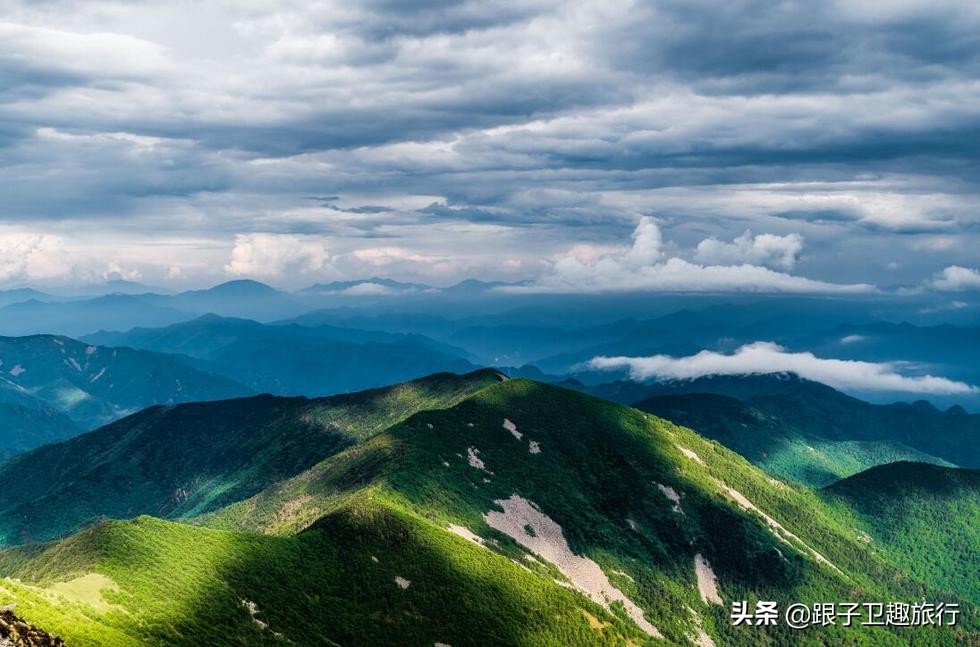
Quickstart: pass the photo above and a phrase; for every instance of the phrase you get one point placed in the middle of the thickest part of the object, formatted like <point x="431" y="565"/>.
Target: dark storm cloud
<point x="755" y="45"/>
<point x="575" y="120"/>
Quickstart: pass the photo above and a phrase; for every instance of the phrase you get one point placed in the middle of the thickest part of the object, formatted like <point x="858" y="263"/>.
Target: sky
<point x="589" y="146"/>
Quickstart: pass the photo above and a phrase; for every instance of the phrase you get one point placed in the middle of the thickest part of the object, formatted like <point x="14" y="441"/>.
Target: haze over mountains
<point x="348" y="336"/>
<point x="293" y="359"/>
<point x="53" y="387"/>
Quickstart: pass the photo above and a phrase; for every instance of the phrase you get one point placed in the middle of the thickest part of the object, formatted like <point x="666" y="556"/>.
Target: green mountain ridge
<point x="182" y="460"/>
<point x="517" y="514"/>
<point x="791" y="447"/>
<point x="924" y="517"/>
<point x="807" y="432"/>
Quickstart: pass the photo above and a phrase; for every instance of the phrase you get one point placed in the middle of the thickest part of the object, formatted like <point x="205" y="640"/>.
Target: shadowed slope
<point x="184" y="460"/>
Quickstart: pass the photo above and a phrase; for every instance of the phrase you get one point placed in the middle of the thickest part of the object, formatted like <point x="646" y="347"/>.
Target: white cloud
<point x="381" y="256"/>
<point x="275" y="255"/>
<point x="765" y="249"/>
<point x="368" y="289"/>
<point x="45" y="258"/>
<point x="646" y="245"/>
<point x="33" y="257"/>
<point x="767" y="357"/>
<point x="645" y="267"/>
<point x="114" y="271"/>
<point x="105" y="54"/>
<point x="415" y="264"/>
<point x="956" y="278"/>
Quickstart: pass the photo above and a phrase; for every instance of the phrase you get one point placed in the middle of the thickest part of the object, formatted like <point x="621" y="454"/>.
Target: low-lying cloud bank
<point x="647" y="266"/>
<point x="767" y="357"/>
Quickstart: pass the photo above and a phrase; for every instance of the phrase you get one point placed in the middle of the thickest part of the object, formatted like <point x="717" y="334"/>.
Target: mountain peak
<point x="242" y="287"/>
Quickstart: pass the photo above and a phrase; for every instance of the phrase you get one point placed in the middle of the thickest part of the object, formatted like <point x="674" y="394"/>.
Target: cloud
<point x="368" y="289"/>
<point x="381" y="256"/>
<point x="33" y="257"/>
<point x="956" y="279"/>
<point x="644" y="266"/>
<point x="853" y="123"/>
<point x="76" y="56"/>
<point x="767" y="357"/>
<point x="41" y="258"/>
<point x="765" y="249"/>
<point x="646" y="245"/>
<point x="275" y="255"/>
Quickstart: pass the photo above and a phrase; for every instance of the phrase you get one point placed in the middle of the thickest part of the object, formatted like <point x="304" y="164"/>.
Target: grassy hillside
<point x="182" y="460"/>
<point x="599" y="475"/>
<point x="789" y="443"/>
<point x="808" y="432"/>
<point x="522" y="515"/>
<point x="152" y="582"/>
<point x="923" y="517"/>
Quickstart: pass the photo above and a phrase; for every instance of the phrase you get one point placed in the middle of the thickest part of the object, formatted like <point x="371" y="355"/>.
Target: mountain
<point x="788" y="444"/>
<point x="18" y="295"/>
<point x="178" y="461"/>
<point x="924" y="517"/>
<point x="428" y="325"/>
<point x="25" y="427"/>
<point x="520" y="514"/>
<point x="118" y="286"/>
<point x="205" y="337"/>
<point x="293" y="359"/>
<point x="131" y="307"/>
<point x="806" y="431"/>
<point x="497" y="339"/>
<point x="515" y="343"/>
<point x="720" y="326"/>
<point x="946" y="350"/>
<point x="238" y="289"/>
<point x="76" y="318"/>
<point x="240" y="298"/>
<point x="92" y="385"/>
